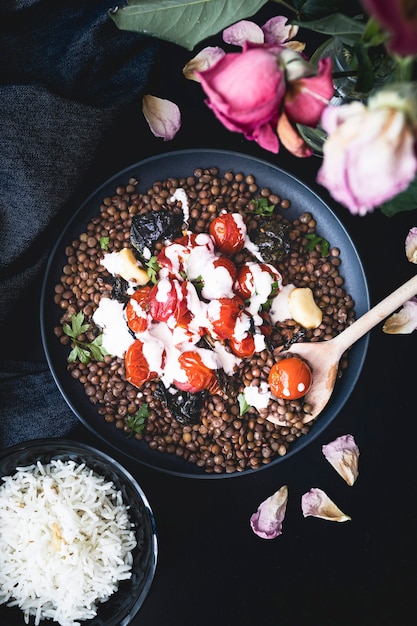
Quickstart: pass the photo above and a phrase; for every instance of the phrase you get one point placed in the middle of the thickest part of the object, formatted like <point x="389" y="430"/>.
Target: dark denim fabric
<point x="66" y="74"/>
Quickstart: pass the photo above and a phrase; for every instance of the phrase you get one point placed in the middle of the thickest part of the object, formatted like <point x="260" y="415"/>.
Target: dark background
<point x="212" y="569"/>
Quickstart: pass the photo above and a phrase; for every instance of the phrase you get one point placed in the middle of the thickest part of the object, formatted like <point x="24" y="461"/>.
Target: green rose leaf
<point x="183" y="22"/>
<point x="336" y="25"/>
<point x="405" y="201"/>
<point x="312" y="9"/>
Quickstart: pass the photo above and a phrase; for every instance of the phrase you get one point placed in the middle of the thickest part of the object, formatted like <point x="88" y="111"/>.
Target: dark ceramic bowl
<point x="123" y="605"/>
<point x="180" y="164"/>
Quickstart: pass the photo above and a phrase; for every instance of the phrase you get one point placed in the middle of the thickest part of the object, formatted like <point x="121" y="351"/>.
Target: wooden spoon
<point x="324" y="356"/>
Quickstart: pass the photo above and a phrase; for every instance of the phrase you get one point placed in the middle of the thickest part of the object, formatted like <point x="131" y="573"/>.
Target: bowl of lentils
<point x="166" y="303"/>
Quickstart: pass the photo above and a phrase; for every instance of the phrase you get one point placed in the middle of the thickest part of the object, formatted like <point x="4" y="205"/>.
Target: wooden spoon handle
<point x="375" y="315"/>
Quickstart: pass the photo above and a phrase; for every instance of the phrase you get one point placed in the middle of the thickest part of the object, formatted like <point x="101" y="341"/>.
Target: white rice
<point x="65" y="541"/>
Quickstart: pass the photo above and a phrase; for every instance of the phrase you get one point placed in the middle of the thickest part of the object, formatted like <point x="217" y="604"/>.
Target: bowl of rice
<point x="77" y="537"/>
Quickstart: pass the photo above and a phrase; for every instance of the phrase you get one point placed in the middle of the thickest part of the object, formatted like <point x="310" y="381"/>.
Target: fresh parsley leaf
<point x="83" y="351"/>
<point x="136" y="423"/>
<point x="314" y="240"/>
<point x="153" y="269"/>
<point x="243" y="405"/>
<point x="104" y="243"/>
<point x="261" y="206"/>
<point x="198" y="283"/>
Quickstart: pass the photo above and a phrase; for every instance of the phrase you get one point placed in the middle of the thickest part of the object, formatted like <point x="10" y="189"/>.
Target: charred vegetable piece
<point x="185" y="407"/>
<point x="147" y="229"/>
<point x="272" y="239"/>
<point x="119" y="289"/>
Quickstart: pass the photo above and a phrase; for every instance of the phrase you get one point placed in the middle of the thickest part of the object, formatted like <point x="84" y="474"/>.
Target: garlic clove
<point x="303" y="307"/>
<point x="316" y="503"/>
<point x="267" y="521"/>
<point x="129" y="268"/>
<point x="343" y="455"/>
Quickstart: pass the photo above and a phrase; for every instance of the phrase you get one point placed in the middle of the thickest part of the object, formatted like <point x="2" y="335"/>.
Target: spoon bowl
<point x="323" y="357"/>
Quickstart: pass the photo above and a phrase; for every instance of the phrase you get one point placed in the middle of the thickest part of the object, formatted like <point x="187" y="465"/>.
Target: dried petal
<point x="404" y="321"/>
<point x="202" y="61"/>
<point x="242" y="31"/>
<point x="267" y="521"/>
<point x="277" y="30"/>
<point x="163" y="116"/>
<point x="411" y="245"/>
<point x="317" y="503"/>
<point x="343" y="455"/>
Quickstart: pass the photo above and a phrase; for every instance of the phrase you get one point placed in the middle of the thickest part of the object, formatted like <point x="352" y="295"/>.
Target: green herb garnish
<point x="136" y="423"/>
<point x="82" y="350"/>
<point x="104" y="243"/>
<point x="314" y="240"/>
<point x="261" y="206"/>
<point x="243" y="404"/>
<point x="153" y="269"/>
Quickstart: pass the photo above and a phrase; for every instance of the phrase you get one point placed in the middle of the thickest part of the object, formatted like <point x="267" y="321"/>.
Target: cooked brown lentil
<point x="223" y="441"/>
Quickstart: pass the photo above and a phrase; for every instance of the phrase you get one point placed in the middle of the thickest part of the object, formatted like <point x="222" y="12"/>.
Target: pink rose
<point x="245" y="91"/>
<point x="399" y="18"/>
<point x="369" y="155"/>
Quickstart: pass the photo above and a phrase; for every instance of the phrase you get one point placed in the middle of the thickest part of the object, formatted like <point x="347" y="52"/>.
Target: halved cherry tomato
<point x="222" y="314"/>
<point x="137" y="310"/>
<point x="227" y="233"/>
<point x="199" y="375"/>
<point x="163" y="299"/>
<point x="243" y="348"/>
<point x="136" y="365"/>
<point x="254" y="277"/>
<point x="223" y="261"/>
<point x="290" y="378"/>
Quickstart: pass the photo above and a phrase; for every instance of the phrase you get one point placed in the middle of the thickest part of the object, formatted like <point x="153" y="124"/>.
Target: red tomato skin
<point x="136" y="323"/>
<point x="199" y="376"/>
<point x="243" y="279"/>
<point x="286" y="376"/>
<point x="224" y="261"/>
<point x="161" y="311"/>
<point x="245" y="284"/>
<point x="226" y="233"/>
<point x="243" y="348"/>
<point x="136" y="365"/>
<point x="230" y="309"/>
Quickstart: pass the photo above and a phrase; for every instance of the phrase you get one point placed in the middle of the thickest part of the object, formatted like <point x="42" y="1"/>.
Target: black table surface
<point x="212" y="569"/>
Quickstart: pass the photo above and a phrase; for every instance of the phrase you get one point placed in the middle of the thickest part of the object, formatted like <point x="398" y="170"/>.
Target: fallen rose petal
<point x="202" y="61"/>
<point x="267" y="521"/>
<point x="411" y="245"/>
<point x="243" y="31"/>
<point x="404" y="321"/>
<point x="316" y="503"/>
<point x="163" y="116"/>
<point x="277" y="30"/>
<point x="343" y="455"/>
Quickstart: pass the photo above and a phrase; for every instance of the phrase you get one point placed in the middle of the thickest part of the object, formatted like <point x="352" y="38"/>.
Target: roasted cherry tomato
<point x="199" y="375"/>
<point x="136" y="365"/>
<point x="290" y="378"/>
<point x="223" y="261"/>
<point x="257" y="278"/>
<point x="137" y="310"/>
<point x="243" y="348"/>
<point x="228" y="232"/>
<point x="222" y="314"/>
<point x="163" y="299"/>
